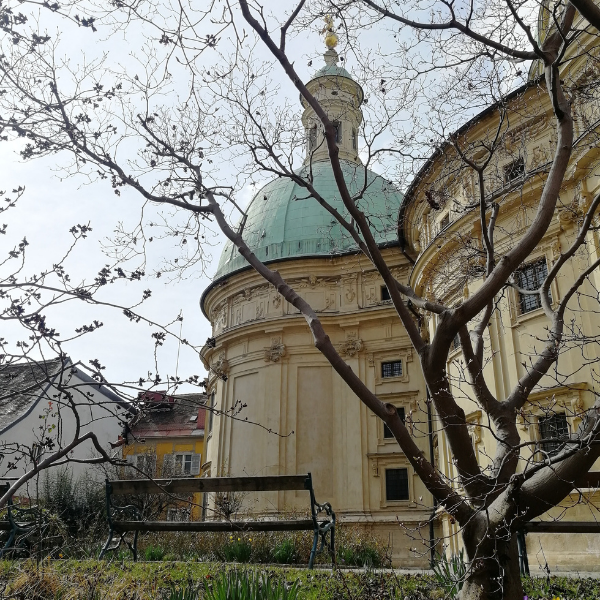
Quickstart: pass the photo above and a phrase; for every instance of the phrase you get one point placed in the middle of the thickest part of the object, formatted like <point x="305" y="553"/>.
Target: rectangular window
<point x="178" y="514"/>
<point x="387" y="434"/>
<point x="391" y="369"/>
<point x="187" y="464"/>
<point x="396" y="484"/>
<point x="551" y="428"/>
<point x="514" y="170"/>
<point x="353" y="139"/>
<point x="385" y="293"/>
<point x="531" y="277"/>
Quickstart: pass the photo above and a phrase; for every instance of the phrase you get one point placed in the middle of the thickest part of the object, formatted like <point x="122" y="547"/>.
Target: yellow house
<point x="167" y="440"/>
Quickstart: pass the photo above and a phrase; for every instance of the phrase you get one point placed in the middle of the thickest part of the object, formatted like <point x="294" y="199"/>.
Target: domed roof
<point x="283" y="222"/>
<point x="332" y="71"/>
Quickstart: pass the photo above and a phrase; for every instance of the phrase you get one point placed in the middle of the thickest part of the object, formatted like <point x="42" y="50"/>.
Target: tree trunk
<point x="493" y="572"/>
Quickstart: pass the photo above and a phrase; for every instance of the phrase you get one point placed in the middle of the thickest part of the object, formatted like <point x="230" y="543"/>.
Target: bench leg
<point x="523" y="560"/>
<point x="332" y="547"/>
<point x="108" y="541"/>
<point x="8" y="545"/>
<point x="133" y="547"/>
<point x="313" y="552"/>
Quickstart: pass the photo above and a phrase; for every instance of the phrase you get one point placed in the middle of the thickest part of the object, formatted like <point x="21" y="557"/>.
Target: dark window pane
<point x="554" y="426"/>
<point x="385" y="293"/>
<point x="514" y="170"/>
<point x="531" y="277"/>
<point x="396" y="484"/>
<point x="391" y="369"/>
<point x="387" y="434"/>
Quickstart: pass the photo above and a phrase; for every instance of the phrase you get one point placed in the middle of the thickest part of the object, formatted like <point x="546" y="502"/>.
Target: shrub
<point x="285" y="552"/>
<point x="237" y="551"/>
<point x="154" y="553"/>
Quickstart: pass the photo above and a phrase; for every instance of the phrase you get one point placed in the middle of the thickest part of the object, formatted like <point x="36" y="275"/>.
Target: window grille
<point x="391" y="369"/>
<point x="514" y="170"/>
<point x="396" y="484"/>
<point x="387" y="433"/>
<point x="531" y="277"/>
<point x="552" y="427"/>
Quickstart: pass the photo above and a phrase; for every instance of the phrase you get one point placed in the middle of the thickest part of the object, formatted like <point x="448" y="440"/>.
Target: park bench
<point x="589" y="480"/>
<point x="20" y="523"/>
<point x="322" y="527"/>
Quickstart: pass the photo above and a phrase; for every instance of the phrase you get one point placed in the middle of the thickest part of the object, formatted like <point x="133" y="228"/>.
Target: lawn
<point x="126" y="580"/>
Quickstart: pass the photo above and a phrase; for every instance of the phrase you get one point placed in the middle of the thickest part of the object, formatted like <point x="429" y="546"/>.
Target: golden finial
<point x="331" y="39"/>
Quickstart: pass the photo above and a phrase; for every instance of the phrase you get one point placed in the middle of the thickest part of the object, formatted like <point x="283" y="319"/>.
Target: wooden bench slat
<point x="562" y="527"/>
<point x="212" y="484"/>
<point x="199" y="526"/>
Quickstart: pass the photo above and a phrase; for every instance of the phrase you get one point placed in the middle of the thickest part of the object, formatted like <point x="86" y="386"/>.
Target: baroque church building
<point x="296" y="414"/>
<point x="265" y="350"/>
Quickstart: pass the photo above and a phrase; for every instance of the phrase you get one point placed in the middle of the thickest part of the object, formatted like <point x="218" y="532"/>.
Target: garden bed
<point x="126" y="580"/>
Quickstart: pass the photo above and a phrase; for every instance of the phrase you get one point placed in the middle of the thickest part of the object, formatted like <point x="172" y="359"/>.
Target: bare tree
<point x="117" y="126"/>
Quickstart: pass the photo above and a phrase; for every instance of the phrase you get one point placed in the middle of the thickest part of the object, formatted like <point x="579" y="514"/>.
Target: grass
<point x="126" y="580"/>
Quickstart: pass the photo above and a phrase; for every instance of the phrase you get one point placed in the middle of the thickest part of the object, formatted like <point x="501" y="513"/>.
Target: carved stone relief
<point x="275" y="351"/>
<point x="221" y="366"/>
<point x="352" y="345"/>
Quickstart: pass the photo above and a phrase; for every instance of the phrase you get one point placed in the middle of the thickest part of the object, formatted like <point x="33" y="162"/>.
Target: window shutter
<point x="195" y="464"/>
<point x="167" y="466"/>
<point x="131" y="459"/>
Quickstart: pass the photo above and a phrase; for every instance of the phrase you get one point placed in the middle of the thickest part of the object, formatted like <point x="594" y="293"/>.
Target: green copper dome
<point x="284" y="223"/>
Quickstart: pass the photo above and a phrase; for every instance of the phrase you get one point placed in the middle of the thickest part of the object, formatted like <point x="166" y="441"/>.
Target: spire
<point x="341" y="98"/>
<point x="331" y="38"/>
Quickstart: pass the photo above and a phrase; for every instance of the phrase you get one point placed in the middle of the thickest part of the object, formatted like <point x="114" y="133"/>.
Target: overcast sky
<point x="52" y="204"/>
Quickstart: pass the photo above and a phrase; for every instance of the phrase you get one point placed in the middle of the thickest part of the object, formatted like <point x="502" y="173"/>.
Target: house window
<point x="312" y="138"/>
<point x="178" y="514"/>
<point x="551" y="428"/>
<point x="445" y="221"/>
<point x="391" y="369"/>
<point x="353" y="139"/>
<point x="514" y="170"/>
<point x="387" y="433"/>
<point x="385" y="293"/>
<point x="396" y="484"/>
<point x="187" y="464"/>
<point x="145" y="465"/>
<point x="338" y="132"/>
<point x="531" y="277"/>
